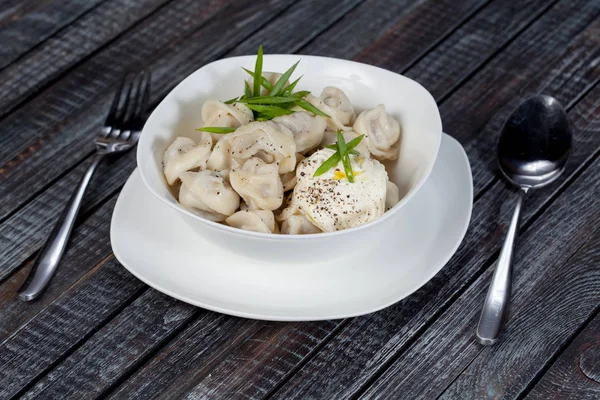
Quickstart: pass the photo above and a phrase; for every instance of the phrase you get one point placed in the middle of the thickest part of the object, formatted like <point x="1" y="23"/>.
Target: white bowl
<point x="365" y="85"/>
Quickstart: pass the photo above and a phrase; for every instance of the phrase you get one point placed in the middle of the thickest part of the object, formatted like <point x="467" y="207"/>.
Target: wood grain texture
<point x="222" y="381"/>
<point x="377" y="338"/>
<point x="235" y="362"/>
<point x="267" y="376"/>
<point x="218" y="356"/>
<point x="576" y="372"/>
<point x="381" y="18"/>
<point x="67" y="115"/>
<point x="86" y="35"/>
<point x="22" y="234"/>
<point x="117" y="348"/>
<point x="89" y="245"/>
<point x="104" y="180"/>
<point x="536" y="327"/>
<point x="32" y="351"/>
<point x="26" y="230"/>
<point x="27" y="24"/>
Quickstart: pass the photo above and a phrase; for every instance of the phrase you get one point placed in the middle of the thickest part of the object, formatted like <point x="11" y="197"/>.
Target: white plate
<point x="154" y="243"/>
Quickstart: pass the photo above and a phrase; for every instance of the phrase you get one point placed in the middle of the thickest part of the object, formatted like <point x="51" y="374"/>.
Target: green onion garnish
<point x="343" y="150"/>
<point x="265" y="83"/>
<point x="328" y="164"/>
<point x="216" y="129"/>
<point x="309" y="107"/>
<point x="270" y="100"/>
<point x="247" y="90"/>
<point x="336" y="157"/>
<point x="282" y="80"/>
<point x="269" y="111"/>
<point x="258" y="71"/>
<point x="334" y="147"/>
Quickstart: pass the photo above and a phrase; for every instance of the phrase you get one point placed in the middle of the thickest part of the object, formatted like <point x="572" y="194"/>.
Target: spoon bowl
<point x="534" y="146"/>
<point x="535" y="143"/>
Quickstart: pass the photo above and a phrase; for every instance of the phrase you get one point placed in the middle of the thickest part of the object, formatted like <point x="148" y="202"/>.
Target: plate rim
<point x="265" y="317"/>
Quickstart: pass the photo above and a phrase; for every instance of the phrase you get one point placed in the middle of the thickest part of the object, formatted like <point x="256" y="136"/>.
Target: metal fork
<point x="120" y="133"/>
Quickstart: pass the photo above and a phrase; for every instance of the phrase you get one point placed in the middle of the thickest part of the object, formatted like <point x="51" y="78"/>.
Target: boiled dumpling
<point x="298" y="225"/>
<point x="308" y="129"/>
<point x="220" y="158"/>
<point x="336" y="104"/>
<point x="382" y="132"/>
<point x="295" y="222"/>
<point x="258" y="183"/>
<point x="289" y="178"/>
<point x="271" y="77"/>
<point x="392" y="195"/>
<point x="269" y="141"/>
<point x="217" y="113"/>
<point x="208" y="194"/>
<point x="330" y="137"/>
<point x="185" y="154"/>
<point x="256" y="220"/>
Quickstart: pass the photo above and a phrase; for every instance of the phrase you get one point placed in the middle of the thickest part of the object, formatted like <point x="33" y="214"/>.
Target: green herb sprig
<point x="343" y="151"/>
<point x="279" y="100"/>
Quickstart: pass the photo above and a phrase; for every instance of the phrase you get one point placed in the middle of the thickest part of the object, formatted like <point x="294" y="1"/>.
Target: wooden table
<point x="98" y="331"/>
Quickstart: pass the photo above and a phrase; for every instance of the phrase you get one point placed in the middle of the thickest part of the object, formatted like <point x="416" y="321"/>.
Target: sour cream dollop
<point x="330" y="201"/>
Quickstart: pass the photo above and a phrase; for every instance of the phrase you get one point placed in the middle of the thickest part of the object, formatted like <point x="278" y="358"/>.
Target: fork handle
<point x="45" y="265"/>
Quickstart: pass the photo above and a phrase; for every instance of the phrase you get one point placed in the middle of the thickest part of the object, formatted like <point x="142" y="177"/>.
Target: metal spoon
<point x="534" y="146"/>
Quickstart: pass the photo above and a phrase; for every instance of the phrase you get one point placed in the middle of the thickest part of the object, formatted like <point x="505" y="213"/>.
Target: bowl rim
<point x="274" y="236"/>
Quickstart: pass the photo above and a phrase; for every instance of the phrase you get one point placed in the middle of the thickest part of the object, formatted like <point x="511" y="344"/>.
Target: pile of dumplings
<point x="246" y="178"/>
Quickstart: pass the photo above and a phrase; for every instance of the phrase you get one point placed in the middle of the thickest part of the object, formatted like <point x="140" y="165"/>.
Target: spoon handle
<point x="498" y="295"/>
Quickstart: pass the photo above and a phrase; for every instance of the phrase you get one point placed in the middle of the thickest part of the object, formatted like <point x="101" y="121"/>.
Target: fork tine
<point x="123" y="105"/>
<point x="145" y="97"/>
<point x="133" y="115"/>
<point x="112" y="113"/>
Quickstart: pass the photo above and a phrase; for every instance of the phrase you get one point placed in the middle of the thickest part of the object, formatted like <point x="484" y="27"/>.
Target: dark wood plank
<point x="265" y="370"/>
<point x="58" y="191"/>
<point x="60" y="52"/>
<point x="381" y="19"/>
<point x="16" y="313"/>
<point x="276" y="346"/>
<point x="28" y="23"/>
<point x="576" y="373"/>
<point x="67" y="115"/>
<point x="146" y="323"/>
<point x="368" y="343"/>
<point x="552" y="295"/>
<point x="32" y="351"/>
<point x="25" y="231"/>
<point x="263" y="377"/>
<point x="89" y="246"/>
<point x="377" y="338"/>
<point x="26" y="144"/>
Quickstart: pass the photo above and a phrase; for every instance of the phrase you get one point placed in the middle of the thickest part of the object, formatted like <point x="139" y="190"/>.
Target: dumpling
<point x="289" y="178"/>
<point x="208" y="194"/>
<point x="336" y="104"/>
<point x="255" y="220"/>
<point x="217" y="113"/>
<point x="271" y="77"/>
<point x="185" y="154"/>
<point x="269" y="141"/>
<point x="295" y="222"/>
<point x="392" y="195"/>
<point x="258" y="183"/>
<point x="220" y="158"/>
<point x="382" y="132"/>
<point x="330" y="137"/>
<point x="298" y="225"/>
<point x="308" y="129"/>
